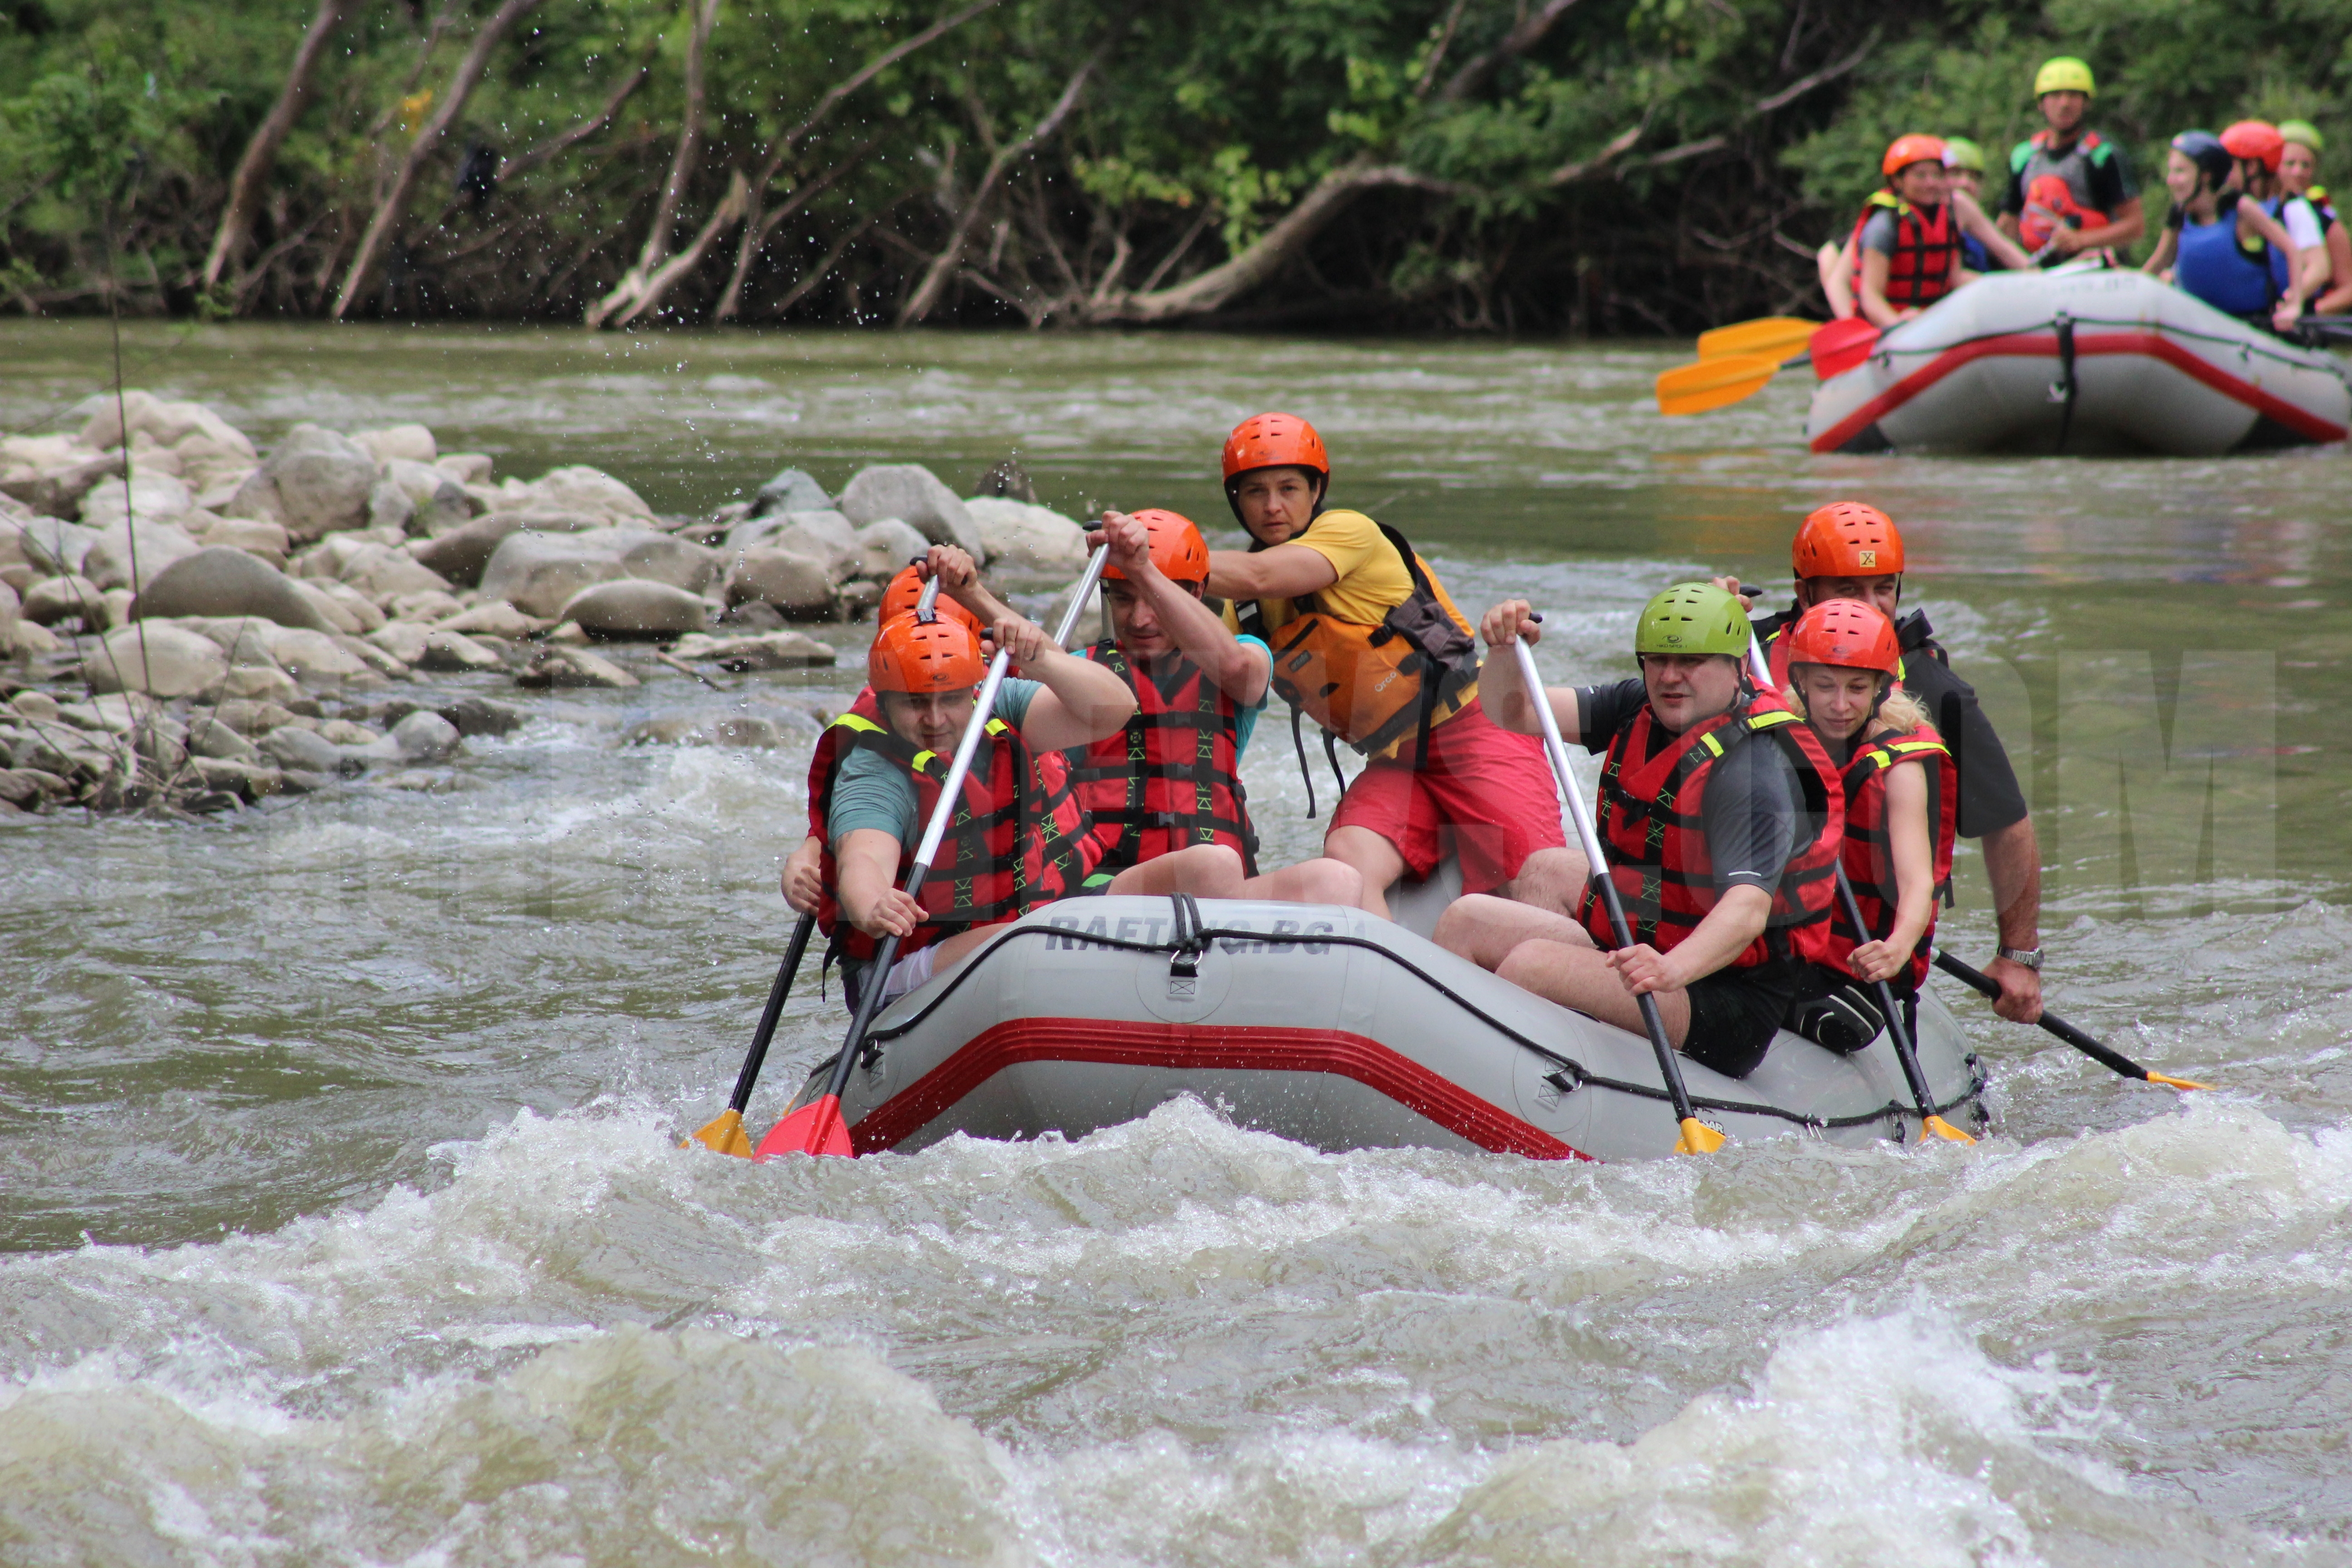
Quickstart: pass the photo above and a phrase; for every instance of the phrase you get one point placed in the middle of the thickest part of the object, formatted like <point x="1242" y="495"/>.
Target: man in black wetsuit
<point x="1849" y="550"/>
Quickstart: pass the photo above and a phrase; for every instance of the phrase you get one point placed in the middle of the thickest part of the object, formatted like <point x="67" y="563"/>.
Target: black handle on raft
<point x="1987" y="986"/>
<point x="1904" y="1051"/>
<point x="757" y="1056"/>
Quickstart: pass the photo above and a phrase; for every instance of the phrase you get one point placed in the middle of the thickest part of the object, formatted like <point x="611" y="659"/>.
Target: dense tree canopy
<point x="1535" y="166"/>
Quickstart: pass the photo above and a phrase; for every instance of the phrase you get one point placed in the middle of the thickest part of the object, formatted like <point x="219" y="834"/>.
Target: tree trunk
<point x="730" y="211"/>
<point x="388" y="212"/>
<point x="261" y="153"/>
<point x="629" y="297"/>
<point x="934" y="285"/>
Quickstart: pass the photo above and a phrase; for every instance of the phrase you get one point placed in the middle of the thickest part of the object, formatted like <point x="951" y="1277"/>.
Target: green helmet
<point x="2064" y="73"/>
<point x="1692" y="618"/>
<point x="1960" y="152"/>
<point x="2304" y="133"/>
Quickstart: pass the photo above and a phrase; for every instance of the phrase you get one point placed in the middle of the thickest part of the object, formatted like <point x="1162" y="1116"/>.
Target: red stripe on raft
<point x="1124" y="1043"/>
<point x="2044" y="345"/>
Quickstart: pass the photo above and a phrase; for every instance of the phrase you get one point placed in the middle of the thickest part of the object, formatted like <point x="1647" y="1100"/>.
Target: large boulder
<point x="537" y="573"/>
<point x="410" y="443"/>
<point x="824" y="536"/>
<point x="915" y="497"/>
<point x="791" y="491"/>
<point x="794" y="583"/>
<point x="217" y="581"/>
<point x="461" y="553"/>
<point x="576" y="488"/>
<point x="266" y="540"/>
<point x="887" y="546"/>
<point x="1029" y="540"/>
<point x="149" y="547"/>
<point x="157" y="657"/>
<point x="437" y="503"/>
<point x="315" y="483"/>
<point x="632" y="607"/>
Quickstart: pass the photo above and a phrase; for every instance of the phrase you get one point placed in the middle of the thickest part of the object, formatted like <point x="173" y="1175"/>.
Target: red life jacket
<point x="1870" y="852"/>
<point x="1018" y="838"/>
<point x="1926" y="250"/>
<point x="1652" y="825"/>
<point x="1172" y="776"/>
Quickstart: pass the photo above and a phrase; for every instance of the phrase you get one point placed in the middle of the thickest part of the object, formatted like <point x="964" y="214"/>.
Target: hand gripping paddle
<point x="816" y="1128"/>
<point x="1698" y="1137"/>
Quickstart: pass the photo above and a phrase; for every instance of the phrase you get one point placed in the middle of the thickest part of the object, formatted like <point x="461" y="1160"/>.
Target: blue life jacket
<point x="2212" y="265"/>
<point x="1974" y="256"/>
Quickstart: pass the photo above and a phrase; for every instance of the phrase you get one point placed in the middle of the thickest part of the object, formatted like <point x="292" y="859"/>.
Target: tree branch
<point x="631" y="295"/>
<point x="730" y="210"/>
<point x="261" y="153"/>
<point x="1529" y="32"/>
<point x="556" y="146"/>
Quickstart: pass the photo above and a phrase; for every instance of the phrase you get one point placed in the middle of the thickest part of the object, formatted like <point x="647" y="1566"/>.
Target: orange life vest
<point x="1372" y="685"/>
<point x="1927" y="251"/>
<point x="1171" y="776"/>
<point x="1870" y="851"/>
<point x="1652" y="825"/>
<point x="1018" y="838"/>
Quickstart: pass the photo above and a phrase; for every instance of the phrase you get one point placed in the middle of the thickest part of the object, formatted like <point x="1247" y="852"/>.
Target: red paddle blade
<point x="814" y="1128"/>
<point x="1842" y="345"/>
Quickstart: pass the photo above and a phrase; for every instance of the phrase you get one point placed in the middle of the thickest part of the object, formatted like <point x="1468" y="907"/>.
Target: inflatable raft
<point x="1330" y="1027"/>
<point x="2084" y="359"/>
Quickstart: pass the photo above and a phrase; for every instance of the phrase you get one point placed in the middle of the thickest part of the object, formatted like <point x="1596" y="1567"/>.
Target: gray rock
<point x="246" y="777"/>
<point x="824" y="536"/>
<point x="405" y="640"/>
<point x="438" y="504"/>
<point x="495" y="620"/>
<point x="482" y="716"/>
<point x="424" y="737"/>
<point x="59" y="493"/>
<point x="248" y="716"/>
<point x="266" y="540"/>
<point x="575" y="667"/>
<point x="408" y="443"/>
<point x="261" y="683"/>
<point x="913" y="494"/>
<point x="316" y="482"/>
<point x="751" y="617"/>
<point x="460" y="555"/>
<point x="745" y="731"/>
<point x="888" y="545"/>
<point x="154" y="546"/>
<point x="791" y="491"/>
<point x="157" y="657"/>
<point x="49" y="543"/>
<point x="153" y="497"/>
<point x="580" y="488"/>
<point x="466" y="467"/>
<point x="775" y="650"/>
<point x="1008" y="478"/>
<point x="219" y="581"/>
<point x="208" y="736"/>
<point x="290" y="746"/>
<point x="388" y="505"/>
<point x="792" y="583"/>
<point x="454" y="653"/>
<point x="378" y="571"/>
<point x="55" y="599"/>
<point x="314" y="656"/>
<point x="635" y="608"/>
<point x="538" y="574"/>
<point x="1029" y="540"/>
<point x="335" y="611"/>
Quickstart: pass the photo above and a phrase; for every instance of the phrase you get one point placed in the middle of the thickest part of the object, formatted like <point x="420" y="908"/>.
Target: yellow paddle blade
<point x="1712" y="383"/>
<point x="1777" y="337"/>
<point x="725" y="1134"/>
<point x="1937" y="1127"/>
<point x="1697" y="1138"/>
<point x="2179" y="1083"/>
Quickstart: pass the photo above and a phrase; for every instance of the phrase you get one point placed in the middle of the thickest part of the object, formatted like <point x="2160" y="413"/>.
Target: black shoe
<point x="1844" y="1021"/>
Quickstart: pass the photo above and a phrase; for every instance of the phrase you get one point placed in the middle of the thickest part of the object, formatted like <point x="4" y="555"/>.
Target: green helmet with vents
<point x="1691" y="619"/>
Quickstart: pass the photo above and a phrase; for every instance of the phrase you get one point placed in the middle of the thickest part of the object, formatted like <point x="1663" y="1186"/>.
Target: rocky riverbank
<point x="189" y="623"/>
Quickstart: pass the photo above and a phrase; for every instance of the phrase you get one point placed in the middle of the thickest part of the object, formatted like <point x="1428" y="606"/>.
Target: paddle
<point x="724" y="1131"/>
<point x="1698" y="1137"/>
<point x="1777" y="336"/>
<point x="1834" y="347"/>
<point x="816" y="1128"/>
<point x="1906" y="1053"/>
<point x="2113" y="1061"/>
<point x="1842" y="345"/>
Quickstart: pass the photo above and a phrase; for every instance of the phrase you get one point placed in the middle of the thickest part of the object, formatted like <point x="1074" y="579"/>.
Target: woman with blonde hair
<point x="1841" y="665"/>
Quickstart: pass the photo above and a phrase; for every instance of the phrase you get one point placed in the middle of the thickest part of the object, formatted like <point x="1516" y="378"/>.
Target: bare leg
<point x="1374" y="858"/>
<point x="1204" y="871"/>
<point x="1579" y="977"/>
<point x="1484" y="929"/>
<point x="1549" y="879"/>
<point x="1318" y="882"/>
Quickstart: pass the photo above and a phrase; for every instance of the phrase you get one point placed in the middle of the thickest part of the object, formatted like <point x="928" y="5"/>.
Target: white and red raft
<point x="2084" y="359"/>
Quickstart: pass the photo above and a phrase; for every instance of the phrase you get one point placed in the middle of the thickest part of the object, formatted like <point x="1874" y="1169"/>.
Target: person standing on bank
<point x="1168" y="782"/>
<point x="1722" y="819"/>
<point x="2070" y="189"/>
<point x="1850" y="551"/>
<point x="1367" y="644"/>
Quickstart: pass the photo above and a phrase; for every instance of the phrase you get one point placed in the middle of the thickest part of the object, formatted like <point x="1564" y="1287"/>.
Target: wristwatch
<point x="2024" y="957"/>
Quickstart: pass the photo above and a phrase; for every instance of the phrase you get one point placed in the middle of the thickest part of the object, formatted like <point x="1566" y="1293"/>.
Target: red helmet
<point x="2256" y="141"/>
<point x="1845" y="633"/>
<point x="1906" y="150"/>
<point x="914" y="656"/>
<point x="907" y="587"/>
<point x="1274" y="441"/>
<point x="1176" y="547"/>
<point x="1847" y="539"/>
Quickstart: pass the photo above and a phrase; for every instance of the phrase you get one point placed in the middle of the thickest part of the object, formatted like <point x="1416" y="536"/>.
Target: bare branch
<point x="1526" y="36"/>
<point x="730" y="212"/>
<point x="556" y="146"/>
<point x="261" y="153"/>
<point x="630" y="296"/>
<point x="1805" y="84"/>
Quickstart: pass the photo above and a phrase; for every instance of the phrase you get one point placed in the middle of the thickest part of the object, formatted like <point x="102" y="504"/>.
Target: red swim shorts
<point x="1484" y="793"/>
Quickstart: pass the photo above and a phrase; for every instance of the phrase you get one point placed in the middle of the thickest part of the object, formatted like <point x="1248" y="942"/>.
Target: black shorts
<point x="1735" y="1012"/>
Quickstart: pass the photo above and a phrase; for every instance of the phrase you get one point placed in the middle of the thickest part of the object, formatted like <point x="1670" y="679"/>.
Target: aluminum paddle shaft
<point x="1696" y="1137"/>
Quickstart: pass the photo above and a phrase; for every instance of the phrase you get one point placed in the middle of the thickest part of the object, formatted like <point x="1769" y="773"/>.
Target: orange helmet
<point x="1906" y="150"/>
<point x="907" y="587"/>
<point x="1845" y="633"/>
<point x="1847" y="539"/>
<point x="913" y="655"/>
<point x="1176" y="547"/>
<point x="1274" y="441"/>
<point x="2257" y="141"/>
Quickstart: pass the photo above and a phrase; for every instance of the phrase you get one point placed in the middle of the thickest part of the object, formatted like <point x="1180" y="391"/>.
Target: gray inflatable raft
<point x="1330" y="1027"/>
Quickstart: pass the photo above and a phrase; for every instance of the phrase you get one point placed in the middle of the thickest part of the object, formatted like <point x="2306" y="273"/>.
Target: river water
<point x="343" y="1219"/>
